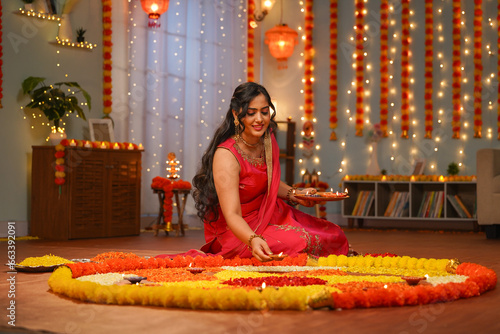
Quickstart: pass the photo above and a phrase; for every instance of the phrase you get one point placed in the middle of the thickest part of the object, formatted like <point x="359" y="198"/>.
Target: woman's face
<point x="257" y="119"/>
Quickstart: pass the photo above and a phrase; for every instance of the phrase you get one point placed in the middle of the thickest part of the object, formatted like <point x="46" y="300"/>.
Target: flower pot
<point x="56" y="137"/>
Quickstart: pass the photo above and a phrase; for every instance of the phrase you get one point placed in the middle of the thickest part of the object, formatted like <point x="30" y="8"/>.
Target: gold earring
<point x="236" y="127"/>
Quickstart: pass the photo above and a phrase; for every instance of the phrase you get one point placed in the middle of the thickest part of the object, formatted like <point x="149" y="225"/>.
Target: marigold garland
<point x="107" y="62"/>
<point x="478" y="68"/>
<point x="250" y="42"/>
<point x="171" y="285"/>
<point x="168" y="186"/>
<point x="308" y="60"/>
<point x="429" y="37"/>
<point x="457" y="74"/>
<point x="333" y="67"/>
<point x="359" y="64"/>
<point x="384" y="66"/>
<point x="405" y="68"/>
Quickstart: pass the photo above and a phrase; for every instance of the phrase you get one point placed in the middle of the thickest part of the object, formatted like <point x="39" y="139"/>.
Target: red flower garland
<point x="405" y="68"/>
<point x="384" y="66"/>
<point x="122" y="264"/>
<point x="107" y="62"/>
<point x="333" y="67"/>
<point x="1" y="61"/>
<point x="359" y="24"/>
<point x="478" y="68"/>
<point x="165" y="184"/>
<point x="429" y="36"/>
<point x="457" y="74"/>
<point x="60" y="175"/>
<point x="308" y="60"/>
<point x="250" y="42"/>
<point x="364" y="294"/>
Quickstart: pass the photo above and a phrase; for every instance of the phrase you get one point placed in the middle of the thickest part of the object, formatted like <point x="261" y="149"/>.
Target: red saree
<point x="285" y="228"/>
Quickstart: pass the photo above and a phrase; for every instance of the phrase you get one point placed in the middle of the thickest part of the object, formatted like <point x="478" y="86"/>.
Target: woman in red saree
<point x="239" y="194"/>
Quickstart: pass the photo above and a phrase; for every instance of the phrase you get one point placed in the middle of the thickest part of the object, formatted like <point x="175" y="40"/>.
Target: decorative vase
<point x="373" y="167"/>
<point x="56" y="137"/>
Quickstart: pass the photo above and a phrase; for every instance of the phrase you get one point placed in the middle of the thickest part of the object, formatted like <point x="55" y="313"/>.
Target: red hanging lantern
<point x="154" y="8"/>
<point x="281" y="40"/>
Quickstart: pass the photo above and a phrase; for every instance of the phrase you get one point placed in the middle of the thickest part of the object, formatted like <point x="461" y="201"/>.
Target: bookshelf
<point x="410" y="200"/>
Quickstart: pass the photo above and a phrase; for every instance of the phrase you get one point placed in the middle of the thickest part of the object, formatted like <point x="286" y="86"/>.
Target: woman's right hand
<point x="260" y="249"/>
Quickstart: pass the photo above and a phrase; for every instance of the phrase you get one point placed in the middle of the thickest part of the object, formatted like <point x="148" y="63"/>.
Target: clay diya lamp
<point x="412" y="280"/>
<point x="134" y="279"/>
<point x="195" y="271"/>
<point x="278" y="257"/>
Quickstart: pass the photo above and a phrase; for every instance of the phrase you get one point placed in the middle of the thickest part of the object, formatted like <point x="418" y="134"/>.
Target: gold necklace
<point x="247" y="143"/>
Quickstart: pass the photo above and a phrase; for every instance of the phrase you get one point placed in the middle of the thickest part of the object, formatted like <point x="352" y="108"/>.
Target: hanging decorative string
<point x="478" y="68"/>
<point x="359" y="26"/>
<point x="308" y="60"/>
<point x="455" y="122"/>
<point x="250" y="42"/>
<point x="333" y="67"/>
<point x="107" y="62"/>
<point x="429" y="56"/>
<point x="384" y="66"/>
<point x="405" y="68"/>
<point x="498" y="75"/>
<point x="1" y="61"/>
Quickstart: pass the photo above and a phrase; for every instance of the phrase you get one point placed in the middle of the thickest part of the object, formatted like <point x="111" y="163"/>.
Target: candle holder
<point x="411" y="280"/>
<point x="195" y="271"/>
<point x="134" y="279"/>
<point x="278" y="257"/>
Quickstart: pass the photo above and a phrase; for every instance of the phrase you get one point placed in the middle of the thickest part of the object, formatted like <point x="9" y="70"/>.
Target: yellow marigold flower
<point x="420" y="263"/>
<point x="342" y="261"/>
<point x="378" y="262"/>
<point x="60" y="174"/>
<point x="412" y="263"/>
<point x="60" y="161"/>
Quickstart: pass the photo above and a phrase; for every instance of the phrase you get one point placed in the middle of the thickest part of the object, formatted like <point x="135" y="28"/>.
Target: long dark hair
<point x="204" y="194"/>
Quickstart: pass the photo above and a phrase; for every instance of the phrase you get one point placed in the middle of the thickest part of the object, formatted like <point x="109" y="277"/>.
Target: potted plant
<point x="80" y="35"/>
<point x="55" y="101"/>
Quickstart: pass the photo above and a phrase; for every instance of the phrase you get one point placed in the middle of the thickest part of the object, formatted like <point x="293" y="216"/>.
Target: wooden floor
<point x="40" y="311"/>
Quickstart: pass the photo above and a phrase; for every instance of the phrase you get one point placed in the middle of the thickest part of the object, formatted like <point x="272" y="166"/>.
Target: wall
<point x="27" y="52"/>
<point x="395" y="155"/>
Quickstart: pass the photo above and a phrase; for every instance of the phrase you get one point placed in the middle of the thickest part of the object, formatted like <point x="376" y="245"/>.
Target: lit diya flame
<point x="261" y="288"/>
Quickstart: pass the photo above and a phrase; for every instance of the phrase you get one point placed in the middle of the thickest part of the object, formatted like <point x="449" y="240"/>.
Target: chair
<point x="488" y="191"/>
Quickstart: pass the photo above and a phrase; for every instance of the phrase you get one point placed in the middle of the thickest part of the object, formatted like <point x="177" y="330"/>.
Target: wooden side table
<point x="180" y="196"/>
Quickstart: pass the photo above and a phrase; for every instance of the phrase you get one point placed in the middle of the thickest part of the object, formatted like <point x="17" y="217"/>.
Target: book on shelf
<point x="462" y="206"/>
<point x="431" y="205"/>
<point x="458" y="208"/>
<point x="364" y="203"/>
<point x="398" y="204"/>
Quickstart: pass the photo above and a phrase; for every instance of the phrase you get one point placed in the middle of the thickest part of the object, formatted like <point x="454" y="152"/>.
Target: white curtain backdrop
<point x="181" y="77"/>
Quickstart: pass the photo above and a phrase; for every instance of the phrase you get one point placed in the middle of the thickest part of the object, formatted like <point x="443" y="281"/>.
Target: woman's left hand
<point x="305" y="191"/>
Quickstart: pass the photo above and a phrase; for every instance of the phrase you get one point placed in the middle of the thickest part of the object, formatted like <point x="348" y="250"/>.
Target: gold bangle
<point x="289" y="194"/>
<point x="253" y="236"/>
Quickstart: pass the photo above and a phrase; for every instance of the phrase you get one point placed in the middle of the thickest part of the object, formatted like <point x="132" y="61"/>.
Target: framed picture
<point x="419" y="166"/>
<point x="101" y="130"/>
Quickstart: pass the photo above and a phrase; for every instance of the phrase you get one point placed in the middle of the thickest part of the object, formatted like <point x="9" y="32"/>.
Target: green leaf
<point x="30" y="83"/>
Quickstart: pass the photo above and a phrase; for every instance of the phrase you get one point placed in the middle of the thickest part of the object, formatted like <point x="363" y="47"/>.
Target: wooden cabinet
<point x="287" y="148"/>
<point x="100" y="198"/>
<point x="418" y="201"/>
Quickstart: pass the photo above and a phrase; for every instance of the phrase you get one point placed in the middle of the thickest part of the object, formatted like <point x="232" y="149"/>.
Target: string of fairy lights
<point x="176" y="54"/>
<point x="420" y="107"/>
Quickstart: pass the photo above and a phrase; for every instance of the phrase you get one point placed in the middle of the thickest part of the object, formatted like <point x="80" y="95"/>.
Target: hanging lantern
<point x="154" y="8"/>
<point x="281" y="40"/>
